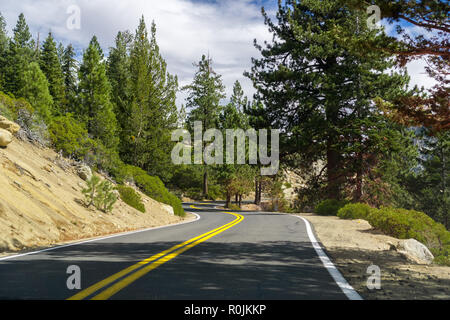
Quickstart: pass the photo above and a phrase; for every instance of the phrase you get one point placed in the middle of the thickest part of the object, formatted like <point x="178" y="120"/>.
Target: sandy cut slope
<point x="41" y="203"/>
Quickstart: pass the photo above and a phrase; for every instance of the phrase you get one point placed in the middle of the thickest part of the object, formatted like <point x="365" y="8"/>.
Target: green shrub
<point x="69" y="136"/>
<point x="354" y="211"/>
<point x="234" y="207"/>
<point x="154" y="188"/>
<point x="105" y="198"/>
<point x="7" y="107"/>
<point x="131" y="197"/>
<point x="99" y="194"/>
<point x="406" y="224"/>
<point x="330" y="207"/>
<point x="194" y="193"/>
<point x="215" y="192"/>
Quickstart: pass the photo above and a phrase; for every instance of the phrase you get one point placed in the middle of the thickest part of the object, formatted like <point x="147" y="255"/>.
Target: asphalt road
<point x="238" y="256"/>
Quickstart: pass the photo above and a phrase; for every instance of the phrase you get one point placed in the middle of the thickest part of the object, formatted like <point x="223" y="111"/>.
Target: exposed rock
<point x="84" y="172"/>
<point x="8" y="125"/>
<point x="415" y="251"/>
<point x="168" y="209"/>
<point x="5" y="137"/>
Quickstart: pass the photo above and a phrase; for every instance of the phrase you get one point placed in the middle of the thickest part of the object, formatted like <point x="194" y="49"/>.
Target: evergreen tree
<point x="4" y="43"/>
<point x="429" y="185"/>
<point x="35" y="90"/>
<point x="203" y="101"/>
<point x="119" y="76"/>
<point x="153" y="113"/>
<point x="320" y="93"/>
<point x="69" y="70"/>
<point x="21" y="54"/>
<point x="236" y="179"/>
<point x="50" y="64"/>
<point x="95" y="107"/>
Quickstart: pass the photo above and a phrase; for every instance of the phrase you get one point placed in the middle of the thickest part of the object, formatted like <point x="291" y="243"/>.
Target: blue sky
<point x="186" y="29"/>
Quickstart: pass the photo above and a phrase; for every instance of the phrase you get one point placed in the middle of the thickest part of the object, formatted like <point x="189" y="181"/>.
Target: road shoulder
<point x="353" y="246"/>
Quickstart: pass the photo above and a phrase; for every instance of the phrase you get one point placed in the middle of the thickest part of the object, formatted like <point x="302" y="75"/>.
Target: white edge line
<point x="99" y="239"/>
<point x="348" y="290"/>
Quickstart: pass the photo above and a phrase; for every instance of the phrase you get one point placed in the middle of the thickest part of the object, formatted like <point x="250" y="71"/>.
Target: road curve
<point x="222" y="256"/>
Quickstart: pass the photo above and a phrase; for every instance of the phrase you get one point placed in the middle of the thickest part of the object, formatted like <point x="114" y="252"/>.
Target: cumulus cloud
<point x="186" y="29"/>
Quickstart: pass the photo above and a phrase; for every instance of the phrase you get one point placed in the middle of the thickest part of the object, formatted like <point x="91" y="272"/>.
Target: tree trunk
<point x="333" y="172"/>
<point x="205" y="183"/>
<point x="236" y="198"/>
<point x="256" y="191"/>
<point x="259" y="192"/>
<point x="227" y="204"/>
<point x="240" y="200"/>
<point x="359" y="180"/>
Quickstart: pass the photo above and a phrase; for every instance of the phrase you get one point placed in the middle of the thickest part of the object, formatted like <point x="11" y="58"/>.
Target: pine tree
<point x="4" y="43"/>
<point x="320" y="93"/>
<point x="69" y="70"/>
<point x="95" y="107"/>
<point x="35" y="90"/>
<point x="236" y="179"/>
<point x="51" y="66"/>
<point x="153" y="113"/>
<point x="119" y="76"/>
<point x="204" y="95"/>
<point x="21" y="54"/>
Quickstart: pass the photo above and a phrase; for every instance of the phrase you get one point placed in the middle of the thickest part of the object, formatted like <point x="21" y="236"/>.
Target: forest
<point x="337" y="90"/>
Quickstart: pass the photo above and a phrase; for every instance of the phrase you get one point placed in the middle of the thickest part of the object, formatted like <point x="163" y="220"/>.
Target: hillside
<point x="41" y="203"/>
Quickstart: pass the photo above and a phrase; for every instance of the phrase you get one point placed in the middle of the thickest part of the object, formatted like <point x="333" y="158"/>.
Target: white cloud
<point x="185" y="30"/>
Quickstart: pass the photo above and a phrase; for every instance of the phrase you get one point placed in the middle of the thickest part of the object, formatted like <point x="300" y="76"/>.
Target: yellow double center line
<point x="150" y="264"/>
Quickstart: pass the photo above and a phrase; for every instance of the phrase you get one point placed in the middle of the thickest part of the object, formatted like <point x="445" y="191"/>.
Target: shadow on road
<point x="211" y="270"/>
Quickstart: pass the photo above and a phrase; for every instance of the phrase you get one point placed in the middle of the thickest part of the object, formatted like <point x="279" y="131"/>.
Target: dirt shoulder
<point x="353" y="246"/>
<point x="41" y="204"/>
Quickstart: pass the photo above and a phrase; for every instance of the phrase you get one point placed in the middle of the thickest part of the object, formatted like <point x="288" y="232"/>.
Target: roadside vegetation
<point x="360" y="137"/>
<point x="404" y="224"/>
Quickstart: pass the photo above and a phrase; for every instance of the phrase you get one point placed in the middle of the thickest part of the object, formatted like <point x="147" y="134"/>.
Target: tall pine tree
<point x="95" y="107"/>
<point x="4" y="43"/>
<point x="321" y="94"/>
<point x="119" y="76"/>
<point x="153" y="113"/>
<point x="51" y="66"/>
<point x="20" y="54"/>
<point x="69" y="69"/>
<point x="203" y="101"/>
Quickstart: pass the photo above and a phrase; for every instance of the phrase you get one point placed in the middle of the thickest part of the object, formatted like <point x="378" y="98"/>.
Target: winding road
<point x="222" y="255"/>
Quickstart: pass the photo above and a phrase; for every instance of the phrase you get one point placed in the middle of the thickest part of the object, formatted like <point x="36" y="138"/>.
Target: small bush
<point x="131" y="197"/>
<point x="7" y="106"/>
<point x="194" y="193"/>
<point x="155" y="189"/>
<point x="69" y="136"/>
<point x="234" y="207"/>
<point x="99" y="194"/>
<point x="407" y="224"/>
<point x="215" y="192"/>
<point x="330" y="207"/>
<point x="354" y="211"/>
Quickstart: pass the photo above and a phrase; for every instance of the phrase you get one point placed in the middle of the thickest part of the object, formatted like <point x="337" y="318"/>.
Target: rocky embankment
<point x="41" y="203"/>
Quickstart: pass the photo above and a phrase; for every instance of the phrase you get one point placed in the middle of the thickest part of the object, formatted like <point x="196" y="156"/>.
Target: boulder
<point x="84" y="172"/>
<point x="8" y="125"/>
<point x="168" y="209"/>
<point x="416" y="251"/>
<point x="5" y="137"/>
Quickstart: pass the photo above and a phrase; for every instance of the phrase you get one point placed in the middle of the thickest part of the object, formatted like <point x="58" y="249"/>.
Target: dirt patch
<point x="353" y="246"/>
